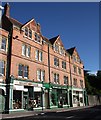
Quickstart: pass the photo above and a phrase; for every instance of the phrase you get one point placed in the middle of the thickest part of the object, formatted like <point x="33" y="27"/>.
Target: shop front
<point x="25" y="95"/>
<point x="58" y="96"/>
<point x="2" y="97"/>
<point x="78" y="98"/>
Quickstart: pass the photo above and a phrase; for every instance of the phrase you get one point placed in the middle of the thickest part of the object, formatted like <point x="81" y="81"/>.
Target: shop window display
<point x="65" y="101"/>
<point x="37" y="99"/>
<point x="53" y="99"/>
<point x="17" y="99"/>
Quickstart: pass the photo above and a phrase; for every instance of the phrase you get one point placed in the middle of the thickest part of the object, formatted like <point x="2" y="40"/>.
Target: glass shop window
<point x="17" y="99"/>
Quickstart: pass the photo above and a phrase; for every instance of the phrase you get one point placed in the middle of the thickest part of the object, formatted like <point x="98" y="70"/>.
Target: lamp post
<point x="42" y="94"/>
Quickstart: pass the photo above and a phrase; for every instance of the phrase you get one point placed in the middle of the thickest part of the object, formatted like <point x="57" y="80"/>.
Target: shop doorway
<point x="70" y="98"/>
<point x="46" y="100"/>
<point x="2" y="100"/>
<point x="25" y="100"/>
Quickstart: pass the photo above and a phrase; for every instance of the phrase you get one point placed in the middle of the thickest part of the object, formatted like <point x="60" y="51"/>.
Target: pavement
<point x="35" y="113"/>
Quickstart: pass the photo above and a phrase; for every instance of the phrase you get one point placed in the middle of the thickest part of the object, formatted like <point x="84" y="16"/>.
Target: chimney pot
<point x="7" y="10"/>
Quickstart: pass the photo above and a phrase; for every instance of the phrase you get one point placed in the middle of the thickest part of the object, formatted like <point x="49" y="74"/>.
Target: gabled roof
<point x="52" y="40"/>
<point x="46" y="39"/>
<point x="29" y="22"/>
<point x="71" y="50"/>
<point x="15" y="22"/>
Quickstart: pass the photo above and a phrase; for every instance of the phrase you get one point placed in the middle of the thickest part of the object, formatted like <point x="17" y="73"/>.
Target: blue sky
<point x="77" y="24"/>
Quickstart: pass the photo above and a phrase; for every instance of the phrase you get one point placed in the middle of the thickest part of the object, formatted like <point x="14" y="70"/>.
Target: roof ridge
<point x="15" y="20"/>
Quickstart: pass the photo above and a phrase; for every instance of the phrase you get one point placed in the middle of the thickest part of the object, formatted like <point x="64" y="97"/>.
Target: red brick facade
<point x="39" y="53"/>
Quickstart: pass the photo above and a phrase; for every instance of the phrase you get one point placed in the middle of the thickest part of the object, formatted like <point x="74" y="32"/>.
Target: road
<point x="93" y="113"/>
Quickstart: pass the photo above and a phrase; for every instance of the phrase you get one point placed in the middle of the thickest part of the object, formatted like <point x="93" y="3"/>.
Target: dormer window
<point x="74" y="58"/>
<point x="61" y="50"/>
<point x="30" y="33"/>
<point x="26" y="31"/>
<point x="56" y="48"/>
<point x="78" y="60"/>
<point x="37" y="38"/>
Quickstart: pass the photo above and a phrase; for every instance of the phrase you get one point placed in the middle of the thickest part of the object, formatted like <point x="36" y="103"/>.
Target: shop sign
<point x="27" y="84"/>
<point x="37" y="89"/>
<point x="17" y="87"/>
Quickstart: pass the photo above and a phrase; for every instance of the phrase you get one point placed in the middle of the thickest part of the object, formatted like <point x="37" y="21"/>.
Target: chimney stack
<point x="7" y="10"/>
<point x="38" y="27"/>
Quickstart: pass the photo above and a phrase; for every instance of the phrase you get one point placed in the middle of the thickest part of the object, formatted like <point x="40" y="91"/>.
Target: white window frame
<point x="23" y="71"/>
<point x="26" y="31"/>
<point x="2" y="43"/>
<point x="65" y="80"/>
<point x="26" y="50"/>
<point x="75" y="82"/>
<point x="56" y="62"/>
<point x="38" y="55"/>
<point x="40" y="75"/>
<point x="37" y="37"/>
<point x="56" y="78"/>
<point x="64" y="64"/>
<point x="56" y="47"/>
<point x="81" y="83"/>
<point x="2" y="68"/>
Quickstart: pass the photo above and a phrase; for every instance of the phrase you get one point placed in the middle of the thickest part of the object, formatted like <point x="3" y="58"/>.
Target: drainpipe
<point x="49" y="76"/>
<point x="71" y="82"/>
<point x="8" y="69"/>
<point x="42" y="94"/>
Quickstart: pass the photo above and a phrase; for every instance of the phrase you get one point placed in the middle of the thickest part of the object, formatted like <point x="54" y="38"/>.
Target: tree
<point x="93" y="83"/>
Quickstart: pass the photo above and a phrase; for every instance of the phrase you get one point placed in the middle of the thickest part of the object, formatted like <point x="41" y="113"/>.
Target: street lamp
<point x="42" y="94"/>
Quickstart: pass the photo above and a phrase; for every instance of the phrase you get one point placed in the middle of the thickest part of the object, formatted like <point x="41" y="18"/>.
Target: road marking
<point x="42" y="113"/>
<point x="69" y="117"/>
<point x="59" y="111"/>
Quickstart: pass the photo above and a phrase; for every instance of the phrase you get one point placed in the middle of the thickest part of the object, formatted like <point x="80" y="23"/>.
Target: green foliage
<point x="93" y="83"/>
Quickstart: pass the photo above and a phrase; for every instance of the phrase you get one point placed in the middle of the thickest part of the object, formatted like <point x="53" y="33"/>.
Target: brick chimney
<point x="7" y="10"/>
<point x="38" y="27"/>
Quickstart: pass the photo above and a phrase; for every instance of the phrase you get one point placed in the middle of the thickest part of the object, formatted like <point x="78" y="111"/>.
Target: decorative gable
<point x="76" y="56"/>
<point x="59" y="42"/>
<point x="58" y="45"/>
<point x="31" y="25"/>
<point x="32" y="30"/>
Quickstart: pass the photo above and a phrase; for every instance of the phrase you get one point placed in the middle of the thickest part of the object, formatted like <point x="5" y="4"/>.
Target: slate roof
<point x="71" y="50"/>
<point x="52" y="40"/>
<point x="15" y="22"/>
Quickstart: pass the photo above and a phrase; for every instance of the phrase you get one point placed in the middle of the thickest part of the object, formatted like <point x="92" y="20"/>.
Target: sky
<point x="77" y="23"/>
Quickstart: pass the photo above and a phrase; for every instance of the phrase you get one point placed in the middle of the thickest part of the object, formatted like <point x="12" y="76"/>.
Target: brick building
<point x="37" y="73"/>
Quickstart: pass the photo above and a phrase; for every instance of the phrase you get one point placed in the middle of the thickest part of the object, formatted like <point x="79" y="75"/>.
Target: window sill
<point x="38" y="42"/>
<point x="22" y="77"/>
<point x="27" y="37"/>
<point x="2" y="50"/>
<point x="26" y="57"/>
